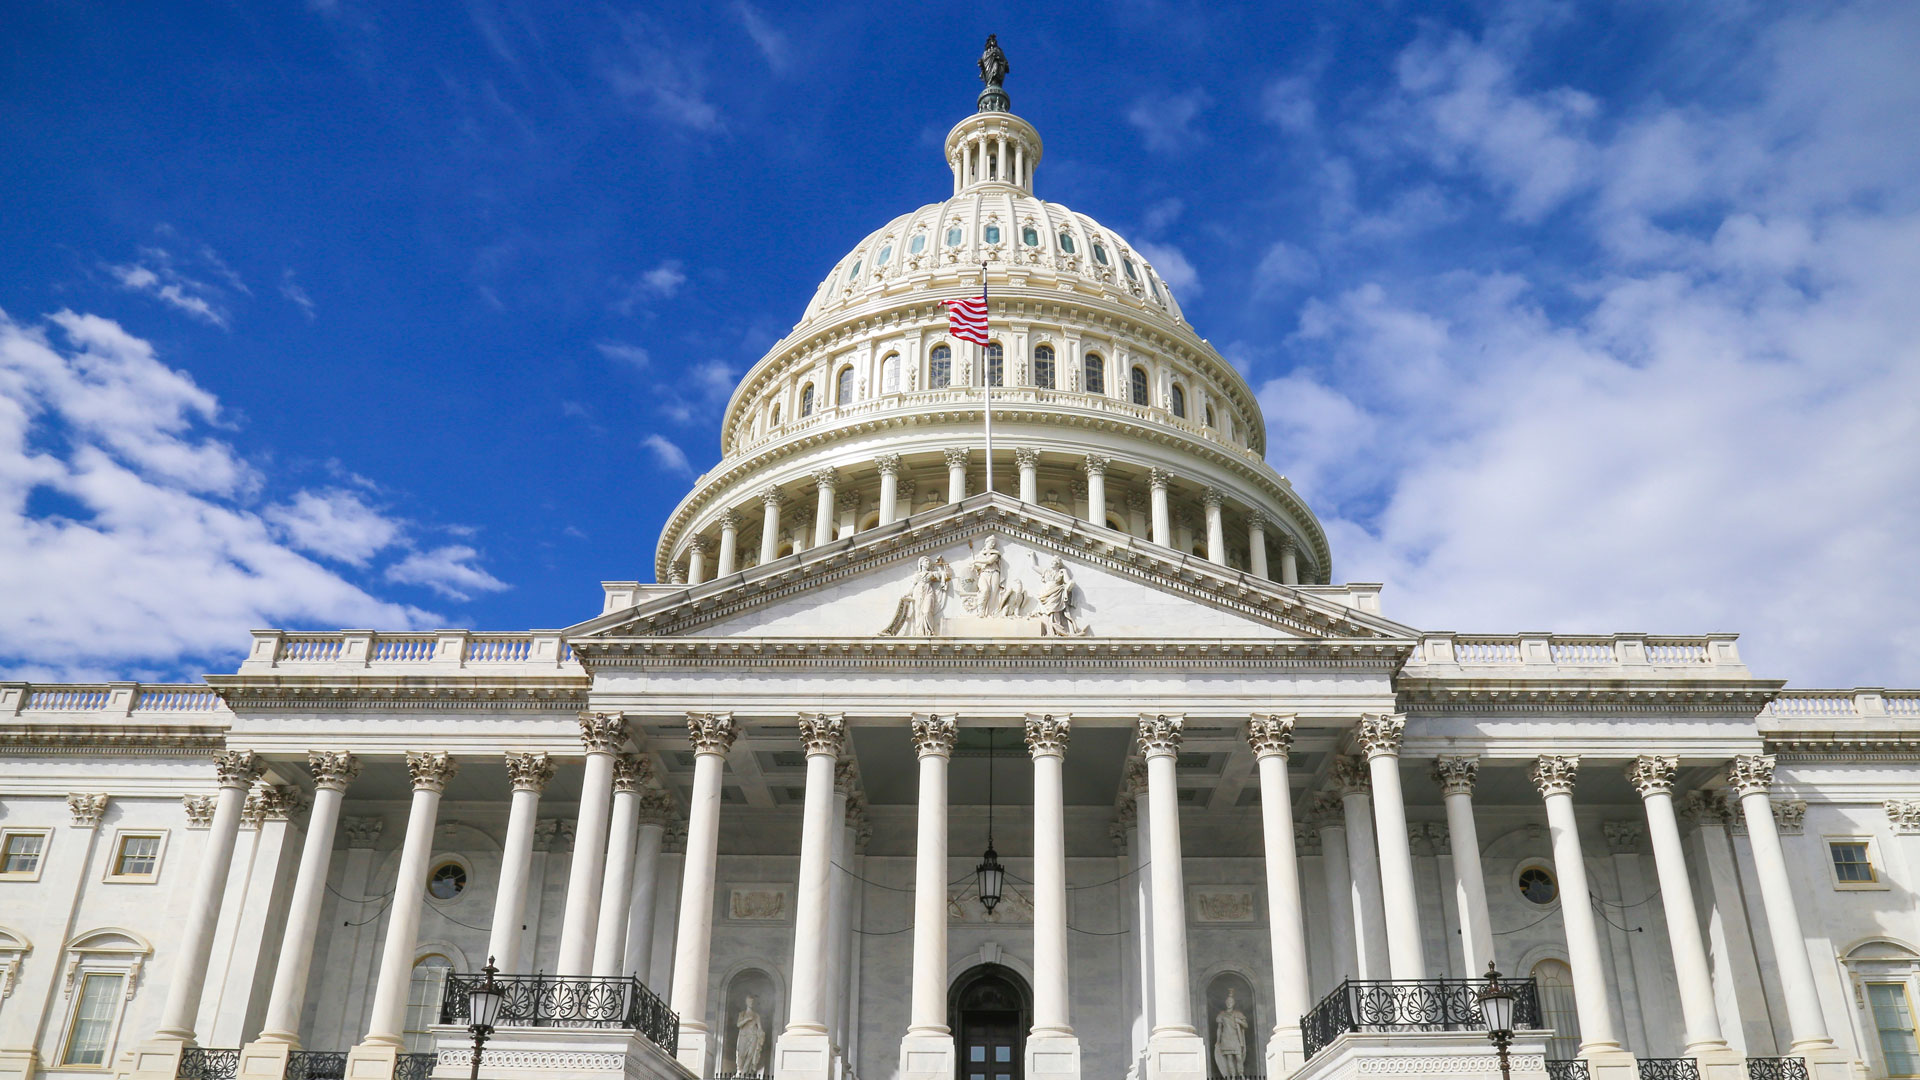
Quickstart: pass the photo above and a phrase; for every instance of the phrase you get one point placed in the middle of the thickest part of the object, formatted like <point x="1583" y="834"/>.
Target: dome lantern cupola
<point x="993" y="146"/>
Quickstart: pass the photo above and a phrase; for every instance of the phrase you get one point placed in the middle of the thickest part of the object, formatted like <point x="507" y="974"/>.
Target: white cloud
<point x="1174" y="268"/>
<point x="335" y="524"/>
<point x="153" y="274"/>
<point x="1166" y="124"/>
<point x="631" y="355"/>
<point x="449" y="571"/>
<point x="659" y="283"/>
<point x="1284" y="266"/>
<point x="1161" y="214"/>
<point x="1288" y="104"/>
<point x="766" y="37"/>
<point x="665" y="80"/>
<point x="667" y="455"/>
<point x="699" y="394"/>
<point x="126" y="538"/>
<point x="295" y="294"/>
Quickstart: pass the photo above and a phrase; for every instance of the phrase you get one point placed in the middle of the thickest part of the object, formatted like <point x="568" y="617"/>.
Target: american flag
<point x="967" y="319"/>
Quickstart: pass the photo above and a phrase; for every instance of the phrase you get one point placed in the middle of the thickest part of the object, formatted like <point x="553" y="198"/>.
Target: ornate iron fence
<point x="1777" y="1068"/>
<point x="1669" y="1069"/>
<point x="549" y="1001"/>
<point x="200" y="1063"/>
<point x="414" y="1066"/>
<point x="1409" y="1005"/>
<point x="317" y="1065"/>
<point x="1567" y="1069"/>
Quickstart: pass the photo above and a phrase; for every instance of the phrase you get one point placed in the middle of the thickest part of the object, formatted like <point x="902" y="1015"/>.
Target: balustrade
<point x="1682" y="1068"/>
<point x="584" y="1002"/>
<point x="1388" y="1005"/>
<point x="203" y="1063"/>
<point x="1777" y="1068"/>
<point x="317" y="1065"/>
<point x="1567" y="1069"/>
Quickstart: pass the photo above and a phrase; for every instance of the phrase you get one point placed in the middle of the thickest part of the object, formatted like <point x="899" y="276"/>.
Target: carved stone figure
<point x="918" y="613"/>
<point x="1053" y="606"/>
<point x="993" y="63"/>
<point x="988" y="572"/>
<point x="1230" y="1041"/>
<point x="749" y="1041"/>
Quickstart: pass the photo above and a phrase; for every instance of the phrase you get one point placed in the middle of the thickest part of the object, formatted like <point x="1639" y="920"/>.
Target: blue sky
<point x="1578" y="317"/>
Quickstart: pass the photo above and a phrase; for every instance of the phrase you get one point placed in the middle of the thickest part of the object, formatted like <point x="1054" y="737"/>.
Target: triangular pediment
<point x="933" y="575"/>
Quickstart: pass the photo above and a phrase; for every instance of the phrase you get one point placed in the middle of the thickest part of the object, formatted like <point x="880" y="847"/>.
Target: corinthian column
<point x="237" y="770"/>
<point x="956" y="458"/>
<point x="729" y="544"/>
<point x="770" y="501"/>
<point x="1752" y="777"/>
<point x="712" y="735"/>
<point x="1554" y="776"/>
<point x="331" y="775"/>
<point x="1174" y="1048"/>
<point x="1380" y="736"/>
<point x="1652" y="776"/>
<point x="1052" y="1047"/>
<point x="1271" y="737"/>
<point x="926" y="1053"/>
<point x="804" y="1050"/>
<point x="1349" y="778"/>
<point x="603" y="735"/>
<point x="1158" y="481"/>
<point x="1215" y="501"/>
<point x="1096" y="467"/>
<point x="656" y="813"/>
<point x="1027" y="460"/>
<point x="379" y="1052"/>
<point x="1257" y="544"/>
<point x="824" y="481"/>
<point x="1456" y="776"/>
<point x="631" y="775"/>
<point x="528" y="775"/>
<point x="696" y="560"/>
<point x="1289" y="561"/>
<point x="889" y="466"/>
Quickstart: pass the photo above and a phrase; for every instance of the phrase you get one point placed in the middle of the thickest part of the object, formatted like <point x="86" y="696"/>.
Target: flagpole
<point x="986" y="378"/>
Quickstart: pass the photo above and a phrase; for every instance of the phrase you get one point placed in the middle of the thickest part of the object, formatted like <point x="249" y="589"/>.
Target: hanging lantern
<point x="988" y="878"/>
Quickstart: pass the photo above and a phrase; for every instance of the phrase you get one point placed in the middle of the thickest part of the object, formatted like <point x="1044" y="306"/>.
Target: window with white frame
<point x="102" y="971"/>
<point x="95" y="1008"/>
<point x="1884" y="974"/>
<point x="135" y="857"/>
<point x="22" y="852"/>
<point x="1892" y="1011"/>
<point x="1853" y="863"/>
<point x="424" y="992"/>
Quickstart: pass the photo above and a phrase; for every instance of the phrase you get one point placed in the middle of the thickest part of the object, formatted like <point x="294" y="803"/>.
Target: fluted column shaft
<point x="933" y="738"/>
<point x="331" y="773"/>
<point x="1363" y="868"/>
<point x="1162" y="516"/>
<point x="889" y="466"/>
<point x="1097" y="490"/>
<point x="1653" y="777"/>
<point x="530" y="774"/>
<point x="1289" y="562"/>
<point x="956" y="475"/>
<point x="1216" y="529"/>
<point x="646" y="884"/>
<point x="1160" y="744"/>
<point x="712" y="735"/>
<point x="1456" y="777"/>
<point x="1143" y="892"/>
<point x="602" y="735"/>
<point x="769" y="527"/>
<point x="729" y="545"/>
<point x="1340" y="891"/>
<point x="1554" y="776"/>
<point x="1807" y="1026"/>
<point x="1047" y="743"/>
<point x="697" y="561"/>
<point x="823" y="736"/>
<point x="616" y="886"/>
<point x="237" y="770"/>
<point x="1257" y="545"/>
<point x="1272" y="740"/>
<point x="824" y="481"/>
<point x="1380" y="735"/>
<point x="1028" y="462"/>
<point x="387" y="1022"/>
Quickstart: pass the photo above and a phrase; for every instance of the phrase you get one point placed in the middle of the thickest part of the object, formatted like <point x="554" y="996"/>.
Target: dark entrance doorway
<point x="990" y="1009"/>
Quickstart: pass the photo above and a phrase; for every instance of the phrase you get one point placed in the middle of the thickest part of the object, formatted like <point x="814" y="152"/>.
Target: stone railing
<point x="443" y="650"/>
<point x="1707" y="653"/>
<point x="99" y="700"/>
<point x="1860" y="704"/>
<point x="1004" y="397"/>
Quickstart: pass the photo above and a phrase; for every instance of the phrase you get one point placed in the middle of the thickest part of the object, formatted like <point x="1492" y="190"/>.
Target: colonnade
<point x="836" y="516"/>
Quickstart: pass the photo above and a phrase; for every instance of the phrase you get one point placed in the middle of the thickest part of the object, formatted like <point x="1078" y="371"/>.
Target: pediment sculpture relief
<point x="993" y="603"/>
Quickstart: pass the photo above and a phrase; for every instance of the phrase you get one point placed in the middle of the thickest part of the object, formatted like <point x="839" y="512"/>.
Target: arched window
<point x="918" y="244"/>
<point x="1138" y="387"/>
<point x="776" y="415"/>
<point x="1555" y="980"/>
<point x="1100" y="254"/>
<point x="954" y="236"/>
<point x="1209" y="416"/>
<point x="843" y="387"/>
<point x="1178" y="401"/>
<point x="1043" y="366"/>
<point x="1030" y="236"/>
<point x="100" y="965"/>
<point x="1066" y="242"/>
<point x="1094" y="371"/>
<point x="890" y="374"/>
<point x="806" y="401"/>
<point x="992" y="234"/>
<point x="939" y="368"/>
<point x="996" y="365"/>
<point x="424" y="991"/>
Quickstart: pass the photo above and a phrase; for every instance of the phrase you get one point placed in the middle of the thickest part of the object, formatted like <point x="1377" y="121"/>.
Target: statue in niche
<point x="993" y="63"/>
<point x="918" y="613"/>
<point x="1230" y="1041"/>
<point x="1054" y="604"/>
<point x="749" y="1041"/>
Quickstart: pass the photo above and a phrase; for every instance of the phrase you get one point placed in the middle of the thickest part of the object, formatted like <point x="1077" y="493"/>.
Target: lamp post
<point x="1496" y="1007"/>
<point x="989" y="877"/>
<point x="483" y="1009"/>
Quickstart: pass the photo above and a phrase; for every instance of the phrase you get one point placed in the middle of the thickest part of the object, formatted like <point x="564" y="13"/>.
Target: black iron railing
<point x="1567" y="1069"/>
<point x="414" y="1066"/>
<point x="1408" y="1005"/>
<point x="550" y="1001"/>
<point x="1777" y="1068"/>
<point x="1669" y="1069"/>
<point x="317" y="1065"/>
<point x="200" y="1063"/>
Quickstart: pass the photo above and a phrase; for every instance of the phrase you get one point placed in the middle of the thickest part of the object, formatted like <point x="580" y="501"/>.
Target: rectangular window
<point x="139" y="856"/>
<point x="1851" y="865"/>
<point x="1893" y="1018"/>
<point x="20" y="854"/>
<point x="996" y="366"/>
<point x="92" y="1027"/>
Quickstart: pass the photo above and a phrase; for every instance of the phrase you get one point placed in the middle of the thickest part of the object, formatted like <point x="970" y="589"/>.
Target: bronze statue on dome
<point x="993" y="63"/>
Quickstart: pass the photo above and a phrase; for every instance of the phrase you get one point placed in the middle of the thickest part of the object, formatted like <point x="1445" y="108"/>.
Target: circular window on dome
<point x="885" y="254"/>
<point x="1100" y="254"/>
<point x="954" y="236"/>
<point x="1030" y="236"/>
<point x="1537" y="885"/>
<point x="1066" y="242"/>
<point x="1127" y="265"/>
<point x="447" y="881"/>
<point x="992" y="234"/>
<point x="918" y="244"/>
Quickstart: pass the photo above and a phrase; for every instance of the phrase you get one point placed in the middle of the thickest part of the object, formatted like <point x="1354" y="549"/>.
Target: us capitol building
<point x="1096" y="773"/>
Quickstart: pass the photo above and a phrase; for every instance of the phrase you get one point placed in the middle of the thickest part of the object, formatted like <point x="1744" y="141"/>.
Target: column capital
<point x="603" y="732"/>
<point x="631" y="773"/>
<point x="1160" y="734"/>
<point x="847" y="500"/>
<point x="274" y="802"/>
<point x="1258" y="520"/>
<point x="888" y="464"/>
<point x="529" y="772"/>
<point x="362" y="832"/>
<point x="199" y="810"/>
<point x="1047" y="734"/>
<point x="934" y="735"/>
<point x="431" y="770"/>
<point x="1379" y="733"/>
<point x="1214" y="498"/>
<point x="1288" y="545"/>
<point x="656" y="807"/>
<point x="1904" y="816"/>
<point x="1623" y="837"/>
<point x="1096" y="465"/>
<point x="956" y="457"/>
<point x="1026" y="457"/>
<point x="825" y="478"/>
<point x="727" y="519"/>
<point x="1326" y="812"/>
<point x="711" y="733"/>
<point x="87" y="809"/>
<point x="1160" y="479"/>
<point x="332" y="770"/>
<point x="237" y="768"/>
<point x="1133" y="778"/>
<point x="772" y="498"/>
<point x="697" y="545"/>
<point x="1751" y="774"/>
<point x="1136" y="501"/>
<point x="1652" y="774"/>
<point x="1270" y="734"/>
<point x="1554" y="774"/>
<point x="1790" y="816"/>
<point x="1349" y="776"/>
<point x="823" y="733"/>
<point x="1707" y="808"/>
<point x="1456" y="774"/>
<point x="846" y="778"/>
<point x="1126" y="813"/>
